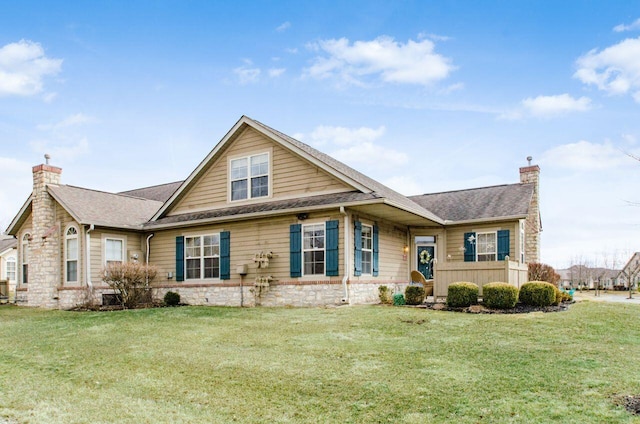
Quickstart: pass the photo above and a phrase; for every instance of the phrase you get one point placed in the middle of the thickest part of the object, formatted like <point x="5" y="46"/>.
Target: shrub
<point x="543" y="272"/>
<point x="538" y="293"/>
<point x="398" y="299"/>
<point x="172" y="298"/>
<point x="131" y="281"/>
<point x="462" y="294"/>
<point x="499" y="295"/>
<point x="414" y="295"/>
<point x="384" y="293"/>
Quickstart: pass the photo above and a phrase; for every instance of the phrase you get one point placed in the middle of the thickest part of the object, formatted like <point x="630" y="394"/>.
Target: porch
<point x="480" y="273"/>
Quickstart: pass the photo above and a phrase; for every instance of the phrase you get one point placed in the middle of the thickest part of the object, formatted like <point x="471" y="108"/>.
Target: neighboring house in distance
<point x="8" y="266"/>
<point x="582" y="276"/>
<point x="266" y="213"/>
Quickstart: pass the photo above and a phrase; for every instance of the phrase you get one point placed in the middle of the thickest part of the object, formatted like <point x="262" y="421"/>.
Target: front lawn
<point x="362" y="364"/>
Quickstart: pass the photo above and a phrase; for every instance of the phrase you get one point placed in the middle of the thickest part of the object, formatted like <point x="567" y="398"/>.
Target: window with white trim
<point x="11" y="269"/>
<point x="313" y="249"/>
<point x="71" y="255"/>
<point x="25" y="258"/>
<point x="249" y="177"/>
<point x="202" y="256"/>
<point x="113" y="250"/>
<point x="487" y="246"/>
<point x="367" y="248"/>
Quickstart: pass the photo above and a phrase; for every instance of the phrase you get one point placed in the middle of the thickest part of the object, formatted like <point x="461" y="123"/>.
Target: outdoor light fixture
<point x="169" y="275"/>
<point x="405" y="249"/>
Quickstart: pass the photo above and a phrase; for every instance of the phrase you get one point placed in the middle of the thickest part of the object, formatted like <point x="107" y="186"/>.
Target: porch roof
<point x="510" y="200"/>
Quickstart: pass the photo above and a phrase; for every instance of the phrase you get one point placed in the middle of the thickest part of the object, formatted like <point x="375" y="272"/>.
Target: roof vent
<point x="529" y="159"/>
<point x="47" y="156"/>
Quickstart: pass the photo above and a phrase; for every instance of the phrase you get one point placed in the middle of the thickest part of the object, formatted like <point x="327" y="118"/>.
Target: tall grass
<point x="345" y="365"/>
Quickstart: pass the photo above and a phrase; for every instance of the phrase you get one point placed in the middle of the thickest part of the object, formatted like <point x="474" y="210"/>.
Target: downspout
<point x="347" y="256"/>
<point x="87" y="257"/>
<point x="147" y="258"/>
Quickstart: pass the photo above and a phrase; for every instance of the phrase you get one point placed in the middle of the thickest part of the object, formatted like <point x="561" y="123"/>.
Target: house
<point x="8" y="266"/>
<point x="265" y="219"/>
<point x="629" y="274"/>
<point x="582" y="276"/>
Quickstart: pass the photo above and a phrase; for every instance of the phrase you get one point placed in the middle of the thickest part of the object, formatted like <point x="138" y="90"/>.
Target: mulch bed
<point x="481" y="309"/>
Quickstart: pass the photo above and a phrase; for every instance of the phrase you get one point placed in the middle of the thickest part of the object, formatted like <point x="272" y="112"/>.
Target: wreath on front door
<point x="425" y="257"/>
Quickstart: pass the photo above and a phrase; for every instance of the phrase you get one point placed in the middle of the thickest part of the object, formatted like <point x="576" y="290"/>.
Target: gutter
<point x="347" y="266"/>
<point x="485" y="220"/>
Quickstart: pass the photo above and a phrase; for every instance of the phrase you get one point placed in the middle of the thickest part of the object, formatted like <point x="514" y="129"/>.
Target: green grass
<point x="348" y="365"/>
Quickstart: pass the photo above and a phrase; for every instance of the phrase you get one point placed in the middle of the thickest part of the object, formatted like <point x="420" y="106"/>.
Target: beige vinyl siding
<point x="455" y="238"/>
<point x="247" y="239"/>
<point x="391" y="242"/>
<point x="290" y="175"/>
<point x="132" y="241"/>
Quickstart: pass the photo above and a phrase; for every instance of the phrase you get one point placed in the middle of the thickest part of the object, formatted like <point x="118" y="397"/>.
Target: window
<point x="249" y="177"/>
<point x="114" y="250"/>
<point x="367" y="248"/>
<point x="71" y="254"/>
<point x="486" y="246"/>
<point x="522" y="245"/>
<point x="313" y="249"/>
<point x="11" y="269"/>
<point x="202" y="256"/>
<point x="25" y="258"/>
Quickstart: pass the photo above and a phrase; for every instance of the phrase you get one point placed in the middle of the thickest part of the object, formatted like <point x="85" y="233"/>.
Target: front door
<point x="426" y="253"/>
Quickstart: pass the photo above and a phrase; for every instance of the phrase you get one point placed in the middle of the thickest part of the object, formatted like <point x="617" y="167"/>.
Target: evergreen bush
<point x="414" y="295"/>
<point x="499" y="295"/>
<point x="538" y="293"/>
<point x="172" y="298"/>
<point x="462" y="294"/>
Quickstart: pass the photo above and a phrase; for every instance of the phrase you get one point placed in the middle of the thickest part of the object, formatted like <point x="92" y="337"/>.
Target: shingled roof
<point x="160" y="193"/>
<point x="104" y="209"/>
<point x="7" y="243"/>
<point x="501" y="201"/>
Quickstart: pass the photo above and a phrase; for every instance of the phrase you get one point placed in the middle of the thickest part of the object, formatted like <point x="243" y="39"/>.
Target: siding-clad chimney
<point x="531" y="175"/>
<point x="44" y="247"/>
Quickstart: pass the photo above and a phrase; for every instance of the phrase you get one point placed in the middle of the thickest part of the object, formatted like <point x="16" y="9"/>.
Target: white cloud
<point x="406" y="185"/>
<point x="615" y="69"/>
<point x="631" y="27"/>
<point x="23" y="66"/>
<point x="587" y="156"/>
<point x="284" y="26"/>
<point x="291" y="50"/>
<point x="434" y="37"/>
<point x="547" y="106"/>
<point x="247" y="75"/>
<point x="355" y="146"/>
<point x="391" y="61"/>
<point x="276" y="72"/>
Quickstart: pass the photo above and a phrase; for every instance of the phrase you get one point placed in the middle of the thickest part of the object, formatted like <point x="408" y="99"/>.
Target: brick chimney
<point x="530" y="174"/>
<point x="44" y="247"/>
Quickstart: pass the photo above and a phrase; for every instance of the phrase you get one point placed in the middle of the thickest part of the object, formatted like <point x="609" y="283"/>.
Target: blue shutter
<point x="331" y="248"/>
<point x="225" y="255"/>
<point x="470" y="247"/>
<point x="295" y="248"/>
<point x="375" y="251"/>
<point x="357" y="249"/>
<point x="180" y="258"/>
<point x="503" y="244"/>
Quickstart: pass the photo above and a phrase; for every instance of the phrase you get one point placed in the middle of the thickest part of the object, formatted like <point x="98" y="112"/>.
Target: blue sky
<point x="422" y="96"/>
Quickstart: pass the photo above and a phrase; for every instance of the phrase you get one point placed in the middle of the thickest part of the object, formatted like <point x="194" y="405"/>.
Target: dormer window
<point x="249" y="177"/>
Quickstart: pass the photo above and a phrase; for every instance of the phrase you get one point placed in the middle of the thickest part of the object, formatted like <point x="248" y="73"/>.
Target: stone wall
<point x="44" y="246"/>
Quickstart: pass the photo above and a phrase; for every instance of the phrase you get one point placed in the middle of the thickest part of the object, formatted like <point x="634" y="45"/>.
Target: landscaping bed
<point x="481" y="309"/>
